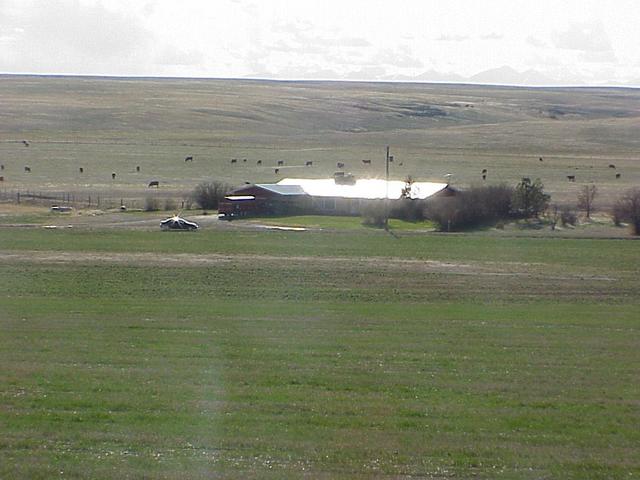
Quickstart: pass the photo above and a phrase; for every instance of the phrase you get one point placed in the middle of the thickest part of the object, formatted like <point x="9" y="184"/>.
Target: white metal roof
<point x="282" y="188"/>
<point x="368" y="188"/>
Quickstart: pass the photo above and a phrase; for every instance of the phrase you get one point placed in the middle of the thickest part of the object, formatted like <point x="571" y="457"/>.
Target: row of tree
<point x="483" y="206"/>
<point x="477" y="206"/>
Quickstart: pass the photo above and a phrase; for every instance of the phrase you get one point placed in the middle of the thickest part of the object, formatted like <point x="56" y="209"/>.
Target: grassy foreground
<point x="222" y="354"/>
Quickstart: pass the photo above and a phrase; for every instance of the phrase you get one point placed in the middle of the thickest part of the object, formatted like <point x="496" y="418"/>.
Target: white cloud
<point x="585" y="37"/>
<point x="536" y="42"/>
<point x="452" y="38"/>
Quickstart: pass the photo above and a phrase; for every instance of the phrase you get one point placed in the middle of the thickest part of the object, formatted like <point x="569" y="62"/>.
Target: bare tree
<point x="627" y="209"/>
<point x="406" y="190"/>
<point x="586" y="197"/>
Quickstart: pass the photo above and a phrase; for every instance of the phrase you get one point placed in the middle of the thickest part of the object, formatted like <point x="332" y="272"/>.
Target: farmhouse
<point x="341" y="195"/>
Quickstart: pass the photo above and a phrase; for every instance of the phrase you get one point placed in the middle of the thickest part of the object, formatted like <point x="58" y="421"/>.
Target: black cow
<point x="189" y="158"/>
<point x="618" y="175"/>
<point x="259" y="162"/>
<point x="308" y="164"/>
<point x="611" y="165"/>
<point x="571" y="178"/>
<point x="113" y="175"/>
<point x="27" y="169"/>
<point x="366" y="162"/>
<point x="277" y="170"/>
<point x="137" y="168"/>
<point x="81" y="170"/>
<point x="340" y="165"/>
<point x="1" y="167"/>
<point x="280" y="163"/>
<point x="484" y="170"/>
<point x="234" y="160"/>
<point x="154" y="183"/>
<point x="25" y="142"/>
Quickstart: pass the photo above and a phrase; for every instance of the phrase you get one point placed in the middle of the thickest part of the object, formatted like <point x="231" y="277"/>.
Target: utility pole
<point x="386" y="196"/>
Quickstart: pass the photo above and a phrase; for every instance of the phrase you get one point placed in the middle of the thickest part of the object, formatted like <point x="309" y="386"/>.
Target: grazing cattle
<point x="484" y="176"/>
<point x="244" y="160"/>
<point x="137" y="168"/>
<point x="259" y="162"/>
<point x="280" y="163"/>
<point x="113" y="175"/>
<point x="340" y="165"/>
<point x="571" y="178"/>
<point x="25" y="142"/>
<point x="308" y="164"/>
<point x="484" y="170"/>
<point x="234" y="160"/>
<point x="81" y="170"/>
<point x="540" y="159"/>
<point x="1" y="167"/>
<point x="277" y="170"/>
<point x="611" y="165"/>
<point x="366" y="162"/>
<point x="189" y="158"/>
<point x="154" y="183"/>
<point x="391" y="158"/>
<point x="27" y="169"/>
<point x="618" y="175"/>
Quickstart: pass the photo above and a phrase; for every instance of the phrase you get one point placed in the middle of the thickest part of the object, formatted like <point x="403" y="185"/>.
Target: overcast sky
<point x="559" y="42"/>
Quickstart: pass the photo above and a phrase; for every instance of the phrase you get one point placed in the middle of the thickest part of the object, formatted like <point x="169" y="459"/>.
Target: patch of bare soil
<point x="379" y="264"/>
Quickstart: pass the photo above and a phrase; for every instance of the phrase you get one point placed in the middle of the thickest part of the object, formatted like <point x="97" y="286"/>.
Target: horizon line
<point x="310" y="80"/>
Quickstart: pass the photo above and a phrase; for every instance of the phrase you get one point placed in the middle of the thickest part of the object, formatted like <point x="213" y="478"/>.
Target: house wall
<point x="266" y="202"/>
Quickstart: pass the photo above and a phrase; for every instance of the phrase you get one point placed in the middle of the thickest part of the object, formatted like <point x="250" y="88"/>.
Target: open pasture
<point x="107" y="126"/>
<point x="246" y="354"/>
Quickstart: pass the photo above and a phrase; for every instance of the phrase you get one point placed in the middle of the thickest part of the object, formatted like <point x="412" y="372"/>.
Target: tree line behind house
<point x="478" y="206"/>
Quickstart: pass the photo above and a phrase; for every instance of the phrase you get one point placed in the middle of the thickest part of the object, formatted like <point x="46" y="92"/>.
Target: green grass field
<point x="350" y="354"/>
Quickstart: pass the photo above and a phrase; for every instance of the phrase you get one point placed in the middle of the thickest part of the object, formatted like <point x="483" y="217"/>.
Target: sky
<point x="516" y="42"/>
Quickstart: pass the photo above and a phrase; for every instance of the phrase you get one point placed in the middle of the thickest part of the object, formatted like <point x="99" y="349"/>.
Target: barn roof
<point x="367" y="188"/>
<point x="282" y="189"/>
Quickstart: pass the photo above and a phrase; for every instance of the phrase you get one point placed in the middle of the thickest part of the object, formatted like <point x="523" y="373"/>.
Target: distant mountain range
<point x="504" y="75"/>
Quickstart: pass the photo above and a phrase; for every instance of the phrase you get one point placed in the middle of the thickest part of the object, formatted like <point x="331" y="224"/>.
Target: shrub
<point x="568" y="217"/>
<point x="151" y="204"/>
<point x="207" y="195"/>
<point x="170" y="204"/>
<point x="374" y="214"/>
<point x="627" y="209"/>
<point x="406" y="209"/>
<point x="467" y="209"/>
